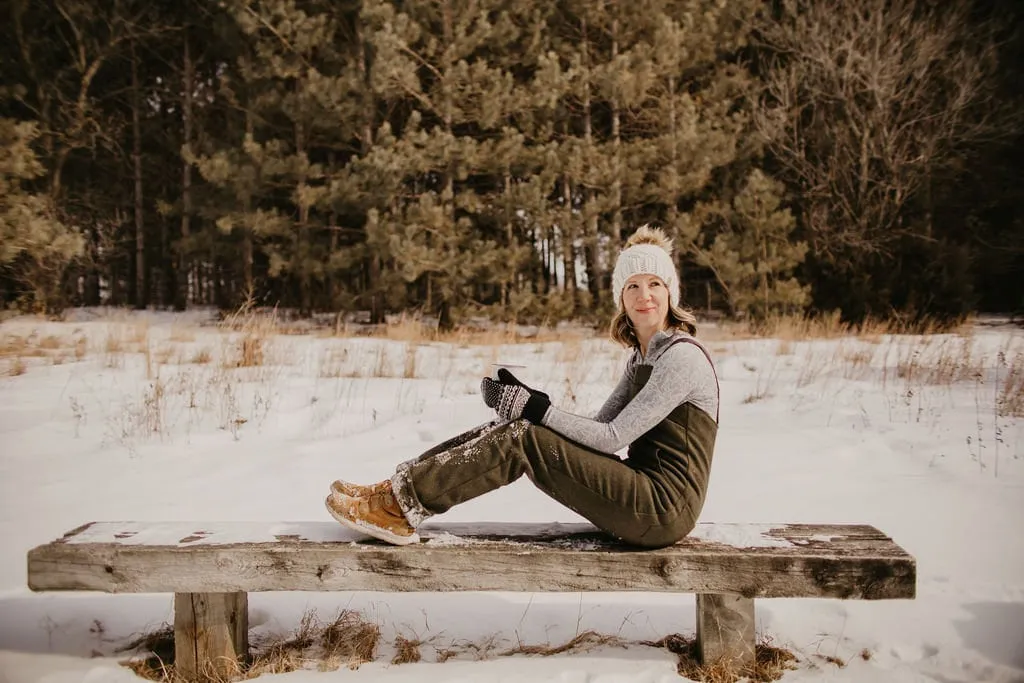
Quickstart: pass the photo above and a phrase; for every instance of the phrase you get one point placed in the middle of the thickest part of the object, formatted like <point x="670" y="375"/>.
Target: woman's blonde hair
<point x="622" y="331"/>
<point x="621" y="328"/>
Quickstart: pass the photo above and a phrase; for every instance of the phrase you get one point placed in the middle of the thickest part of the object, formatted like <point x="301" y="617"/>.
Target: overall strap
<point x="718" y="387"/>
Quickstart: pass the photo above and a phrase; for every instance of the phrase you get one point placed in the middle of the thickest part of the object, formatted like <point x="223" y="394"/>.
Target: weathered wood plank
<point x="725" y="630"/>
<point x="852" y="562"/>
<point x="211" y="634"/>
<point x="230" y="533"/>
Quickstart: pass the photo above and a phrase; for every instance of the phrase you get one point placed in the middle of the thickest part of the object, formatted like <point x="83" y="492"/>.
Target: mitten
<point x="511" y="399"/>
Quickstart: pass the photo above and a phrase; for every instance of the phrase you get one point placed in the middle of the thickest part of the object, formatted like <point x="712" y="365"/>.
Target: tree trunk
<point x="247" y="275"/>
<point x="506" y="282"/>
<point x="302" y="249"/>
<point x="375" y="264"/>
<point x="592" y="258"/>
<point x="445" y="321"/>
<point x="164" y="295"/>
<point x="616" y="237"/>
<point x="182" y="274"/>
<point x="568" y="246"/>
<point x="141" y="297"/>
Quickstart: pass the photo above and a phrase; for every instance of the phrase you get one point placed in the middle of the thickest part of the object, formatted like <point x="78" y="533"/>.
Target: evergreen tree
<point x="747" y="243"/>
<point x="35" y="246"/>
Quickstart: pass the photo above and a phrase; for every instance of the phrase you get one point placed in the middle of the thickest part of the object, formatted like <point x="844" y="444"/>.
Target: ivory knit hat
<point x="648" y="251"/>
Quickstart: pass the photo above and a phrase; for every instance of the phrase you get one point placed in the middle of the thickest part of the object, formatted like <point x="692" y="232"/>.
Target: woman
<point x="665" y="408"/>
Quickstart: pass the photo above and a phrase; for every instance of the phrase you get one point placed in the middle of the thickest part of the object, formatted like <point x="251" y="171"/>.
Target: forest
<point x="459" y="159"/>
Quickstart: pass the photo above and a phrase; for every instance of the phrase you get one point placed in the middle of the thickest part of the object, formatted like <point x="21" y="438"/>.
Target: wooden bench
<point x="210" y="568"/>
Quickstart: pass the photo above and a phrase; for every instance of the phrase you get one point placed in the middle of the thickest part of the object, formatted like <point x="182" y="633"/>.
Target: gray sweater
<point x="680" y="374"/>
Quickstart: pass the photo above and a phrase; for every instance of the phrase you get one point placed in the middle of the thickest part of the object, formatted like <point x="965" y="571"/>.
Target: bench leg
<point x="725" y="629"/>
<point x="211" y="634"/>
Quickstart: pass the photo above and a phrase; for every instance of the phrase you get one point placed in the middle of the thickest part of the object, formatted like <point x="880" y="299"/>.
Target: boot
<point x="344" y="488"/>
<point x="376" y="515"/>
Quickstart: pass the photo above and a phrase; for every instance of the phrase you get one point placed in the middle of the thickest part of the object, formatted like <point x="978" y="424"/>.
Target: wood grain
<point x="725" y="630"/>
<point x="839" y="561"/>
<point x="211" y="634"/>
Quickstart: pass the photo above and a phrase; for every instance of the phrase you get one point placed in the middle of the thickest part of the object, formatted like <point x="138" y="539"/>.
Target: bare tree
<point x="864" y="102"/>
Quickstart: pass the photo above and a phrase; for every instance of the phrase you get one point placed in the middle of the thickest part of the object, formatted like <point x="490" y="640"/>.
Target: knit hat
<point x="648" y="251"/>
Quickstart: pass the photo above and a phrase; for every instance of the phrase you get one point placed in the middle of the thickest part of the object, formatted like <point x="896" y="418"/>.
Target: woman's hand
<point x="511" y="399"/>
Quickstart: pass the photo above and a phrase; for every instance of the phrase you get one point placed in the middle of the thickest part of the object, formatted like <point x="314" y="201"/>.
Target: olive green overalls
<point x="651" y="499"/>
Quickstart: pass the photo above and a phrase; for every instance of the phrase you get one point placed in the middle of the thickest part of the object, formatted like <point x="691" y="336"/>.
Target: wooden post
<point x="725" y="630"/>
<point x="211" y="634"/>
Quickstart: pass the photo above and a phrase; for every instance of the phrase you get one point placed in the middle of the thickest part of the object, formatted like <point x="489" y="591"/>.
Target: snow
<point x="742" y="536"/>
<point x="900" y="432"/>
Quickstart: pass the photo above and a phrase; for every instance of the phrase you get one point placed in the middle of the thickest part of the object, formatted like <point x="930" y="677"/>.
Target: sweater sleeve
<point x="619" y="396"/>
<point x="673" y="379"/>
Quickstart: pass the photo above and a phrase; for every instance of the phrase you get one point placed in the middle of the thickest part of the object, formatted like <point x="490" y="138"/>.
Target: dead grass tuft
<point x="14" y="345"/>
<point x="770" y="663"/>
<point x="158" y="646"/>
<point x="350" y="640"/>
<point x="51" y="347"/>
<point x="17" y="367"/>
<point x="249" y="338"/>
<point x="287" y="655"/>
<point x="1010" y="401"/>
<point x="406" y="651"/>
<point x="201" y="356"/>
<point x="182" y="334"/>
<point x="409" y="372"/>
<point x="50" y="342"/>
<point x="409" y="329"/>
<point x="832" y="659"/>
<point x="580" y="643"/>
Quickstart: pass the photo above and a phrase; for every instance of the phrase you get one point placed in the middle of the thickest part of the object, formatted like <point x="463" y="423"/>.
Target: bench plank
<point x="753" y="561"/>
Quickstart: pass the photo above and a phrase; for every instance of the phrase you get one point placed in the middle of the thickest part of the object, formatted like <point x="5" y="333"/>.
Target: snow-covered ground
<point x="141" y="418"/>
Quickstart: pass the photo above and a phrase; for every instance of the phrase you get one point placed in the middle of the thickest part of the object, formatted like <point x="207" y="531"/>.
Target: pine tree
<point x="438" y="59"/>
<point x="34" y="245"/>
<point x="748" y="245"/>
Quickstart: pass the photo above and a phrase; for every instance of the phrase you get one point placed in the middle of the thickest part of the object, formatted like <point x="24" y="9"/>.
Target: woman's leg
<point x="346" y="488"/>
<point x="615" y="497"/>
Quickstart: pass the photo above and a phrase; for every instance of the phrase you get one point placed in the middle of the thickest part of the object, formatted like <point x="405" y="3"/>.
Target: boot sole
<point x="370" y="530"/>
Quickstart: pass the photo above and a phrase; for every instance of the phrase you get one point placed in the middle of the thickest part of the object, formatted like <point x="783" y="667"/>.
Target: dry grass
<point x="348" y="640"/>
<point x="334" y="362"/>
<point x="201" y="356"/>
<point x="249" y="335"/>
<point x="830" y="326"/>
<point x="182" y="334"/>
<point x="1010" y="386"/>
<point x="582" y="642"/>
<point x="939" y="361"/>
<point x="17" y="348"/>
<point x="770" y="663"/>
<point x="409" y="371"/>
<point x="286" y="655"/>
<point x="164" y="354"/>
<point x="17" y="367"/>
<point x="407" y="651"/>
<point x="122" y="338"/>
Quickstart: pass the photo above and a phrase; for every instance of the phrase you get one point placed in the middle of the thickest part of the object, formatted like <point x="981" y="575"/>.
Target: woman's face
<point x="645" y="298"/>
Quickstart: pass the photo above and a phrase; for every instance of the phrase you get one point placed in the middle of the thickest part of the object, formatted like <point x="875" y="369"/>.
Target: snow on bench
<point x="210" y="567"/>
